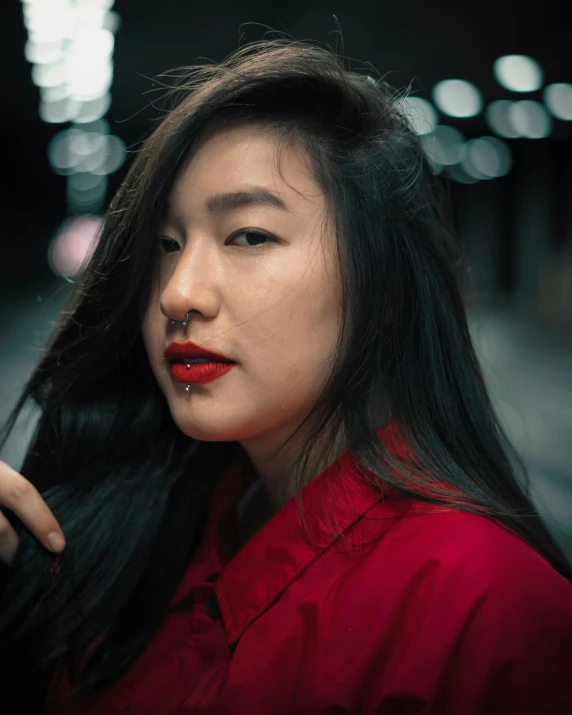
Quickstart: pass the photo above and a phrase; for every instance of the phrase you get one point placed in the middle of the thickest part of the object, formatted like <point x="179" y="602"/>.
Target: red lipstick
<point x="189" y="350"/>
<point x="191" y="364"/>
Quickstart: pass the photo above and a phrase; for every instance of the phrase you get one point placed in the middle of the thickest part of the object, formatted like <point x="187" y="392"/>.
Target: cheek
<point x="300" y="334"/>
<point x="319" y="314"/>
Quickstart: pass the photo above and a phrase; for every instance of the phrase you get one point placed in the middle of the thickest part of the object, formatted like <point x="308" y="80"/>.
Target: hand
<point x="22" y="497"/>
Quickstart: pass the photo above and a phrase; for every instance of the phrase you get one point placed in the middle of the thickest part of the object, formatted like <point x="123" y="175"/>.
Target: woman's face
<point x="269" y="303"/>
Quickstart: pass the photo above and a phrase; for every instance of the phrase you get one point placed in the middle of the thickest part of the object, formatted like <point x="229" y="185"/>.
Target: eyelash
<point x="258" y="234"/>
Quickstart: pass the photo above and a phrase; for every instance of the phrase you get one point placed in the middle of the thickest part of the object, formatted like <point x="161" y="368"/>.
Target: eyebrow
<point x="257" y="196"/>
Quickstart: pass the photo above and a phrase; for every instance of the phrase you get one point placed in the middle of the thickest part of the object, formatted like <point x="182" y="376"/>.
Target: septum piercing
<point x="184" y="322"/>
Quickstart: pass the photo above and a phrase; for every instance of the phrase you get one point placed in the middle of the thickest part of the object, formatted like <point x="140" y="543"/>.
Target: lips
<point x="177" y="352"/>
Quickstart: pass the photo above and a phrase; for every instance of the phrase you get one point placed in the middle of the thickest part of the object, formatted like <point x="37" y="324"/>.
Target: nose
<point x="191" y="288"/>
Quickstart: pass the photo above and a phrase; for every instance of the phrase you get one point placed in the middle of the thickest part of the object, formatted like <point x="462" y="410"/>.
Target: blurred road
<point x="528" y="370"/>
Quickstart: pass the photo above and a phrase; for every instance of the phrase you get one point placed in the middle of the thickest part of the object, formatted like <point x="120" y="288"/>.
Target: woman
<point x="266" y="438"/>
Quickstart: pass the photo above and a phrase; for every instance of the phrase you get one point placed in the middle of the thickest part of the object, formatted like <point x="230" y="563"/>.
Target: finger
<point x="22" y="497"/>
<point x="8" y="541"/>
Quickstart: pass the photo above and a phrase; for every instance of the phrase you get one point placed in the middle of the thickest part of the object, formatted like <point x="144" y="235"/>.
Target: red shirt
<point x="411" y="609"/>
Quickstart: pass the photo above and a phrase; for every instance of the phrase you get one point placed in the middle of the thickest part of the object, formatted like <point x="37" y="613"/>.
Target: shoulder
<point x="461" y="569"/>
<point x="473" y="610"/>
<point x="457" y="568"/>
<point x="468" y="549"/>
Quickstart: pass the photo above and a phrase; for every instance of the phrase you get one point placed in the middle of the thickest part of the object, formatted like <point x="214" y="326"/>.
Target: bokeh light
<point x="530" y="119"/>
<point x="70" y="45"/>
<point x="518" y="73"/>
<point x="521" y="119"/>
<point x="113" y="156"/>
<point x="86" y="192"/>
<point x="73" y="244"/>
<point x="86" y="148"/>
<point x="486" y="158"/>
<point x="558" y="99"/>
<point x="55" y="93"/>
<point x="497" y="116"/>
<point x="457" y="98"/>
<point x="58" y="111"/>
<point x="92" y="109"/>
<point x="42" y="53"/>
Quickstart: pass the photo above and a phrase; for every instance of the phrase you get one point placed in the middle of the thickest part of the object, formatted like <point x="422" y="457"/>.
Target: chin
<point x="205" y="432"/>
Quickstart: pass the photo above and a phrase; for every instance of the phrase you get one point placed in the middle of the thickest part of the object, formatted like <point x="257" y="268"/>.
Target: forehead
<point x="241" y="158"/>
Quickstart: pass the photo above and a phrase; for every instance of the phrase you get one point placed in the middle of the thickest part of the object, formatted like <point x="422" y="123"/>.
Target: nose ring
<point x="185" y="321"/>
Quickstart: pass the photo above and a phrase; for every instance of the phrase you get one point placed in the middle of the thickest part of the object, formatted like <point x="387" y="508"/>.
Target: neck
<point x="276" y="470"/>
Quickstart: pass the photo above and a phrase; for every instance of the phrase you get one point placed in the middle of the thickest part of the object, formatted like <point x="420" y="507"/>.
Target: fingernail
<point x="56" y="541"/>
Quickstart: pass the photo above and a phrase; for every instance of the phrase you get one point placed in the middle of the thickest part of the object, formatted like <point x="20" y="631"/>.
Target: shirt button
<point x="213" y="608"/>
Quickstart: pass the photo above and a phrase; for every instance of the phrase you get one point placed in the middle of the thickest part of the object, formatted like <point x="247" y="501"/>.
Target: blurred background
<point x="490" y="93"/>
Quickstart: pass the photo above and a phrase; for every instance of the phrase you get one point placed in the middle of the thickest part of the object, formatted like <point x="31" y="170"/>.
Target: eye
<point x="257" y="236"/>
<point x="166" y="245"/>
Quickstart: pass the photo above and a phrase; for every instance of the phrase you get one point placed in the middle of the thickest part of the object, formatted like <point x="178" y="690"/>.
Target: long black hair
<point x="128" y="488"/>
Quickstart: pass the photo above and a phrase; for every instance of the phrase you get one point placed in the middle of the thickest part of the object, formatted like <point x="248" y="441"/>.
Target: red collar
<point x="280" y="551"/>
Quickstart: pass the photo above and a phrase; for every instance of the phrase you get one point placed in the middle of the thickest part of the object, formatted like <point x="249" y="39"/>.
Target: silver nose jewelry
<point x="185" y="321"/>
